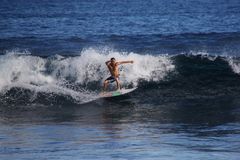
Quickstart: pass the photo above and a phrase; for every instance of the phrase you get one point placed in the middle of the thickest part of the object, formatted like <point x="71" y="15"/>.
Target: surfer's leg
<point x="107" y="81"/>
<point x="118" y="83"/>
<point x="105" y="84"/>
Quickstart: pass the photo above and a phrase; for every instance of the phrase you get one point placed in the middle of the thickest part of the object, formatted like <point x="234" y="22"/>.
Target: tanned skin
<point x="113" y="69"/>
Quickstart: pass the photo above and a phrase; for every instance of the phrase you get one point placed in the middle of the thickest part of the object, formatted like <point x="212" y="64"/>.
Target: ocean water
<point x="186" y="70"/>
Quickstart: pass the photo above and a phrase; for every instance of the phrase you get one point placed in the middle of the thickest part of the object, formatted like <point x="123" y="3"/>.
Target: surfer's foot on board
<point x="103" y="93"/>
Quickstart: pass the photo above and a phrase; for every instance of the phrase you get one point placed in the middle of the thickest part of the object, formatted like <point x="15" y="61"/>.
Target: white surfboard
<point x="116" y="93"/>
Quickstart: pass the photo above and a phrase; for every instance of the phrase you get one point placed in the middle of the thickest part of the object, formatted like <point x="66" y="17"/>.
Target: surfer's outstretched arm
<point x="124" y="62"/>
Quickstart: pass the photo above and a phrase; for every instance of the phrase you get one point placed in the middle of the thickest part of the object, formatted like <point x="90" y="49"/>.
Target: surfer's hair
<point x="112" y="59"/>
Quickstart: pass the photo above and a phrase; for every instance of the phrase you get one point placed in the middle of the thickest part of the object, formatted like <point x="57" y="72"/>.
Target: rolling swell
<point x="195" y="77"/>
<point x="171" y="43"/>
<point x="73" y="80"/>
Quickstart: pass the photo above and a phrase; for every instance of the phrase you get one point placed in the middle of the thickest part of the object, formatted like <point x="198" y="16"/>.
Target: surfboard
<point x="116" y="93"/>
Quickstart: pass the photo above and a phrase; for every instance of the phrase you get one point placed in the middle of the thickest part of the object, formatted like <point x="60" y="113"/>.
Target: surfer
<point x="112" y="65"/>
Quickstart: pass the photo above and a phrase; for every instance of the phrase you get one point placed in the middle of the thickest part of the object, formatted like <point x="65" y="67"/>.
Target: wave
<point x="78" y="77"/>
<point x="28" y="79"/>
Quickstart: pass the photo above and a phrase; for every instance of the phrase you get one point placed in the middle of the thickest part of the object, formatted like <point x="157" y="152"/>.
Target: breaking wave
<point x="28" y="79"/>
<point x="78" y="78"/>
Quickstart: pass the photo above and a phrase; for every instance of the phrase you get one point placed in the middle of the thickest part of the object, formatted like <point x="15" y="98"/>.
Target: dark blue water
<point x="65" y="27"/>
<point x="186" y="70"/>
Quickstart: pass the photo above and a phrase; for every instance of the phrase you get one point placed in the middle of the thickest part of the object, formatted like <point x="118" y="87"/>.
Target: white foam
<point x="90" y="66"/>
<point x="203" y="54"/>
<point x="234" y="64"/>
<point x="51" y="75"/>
